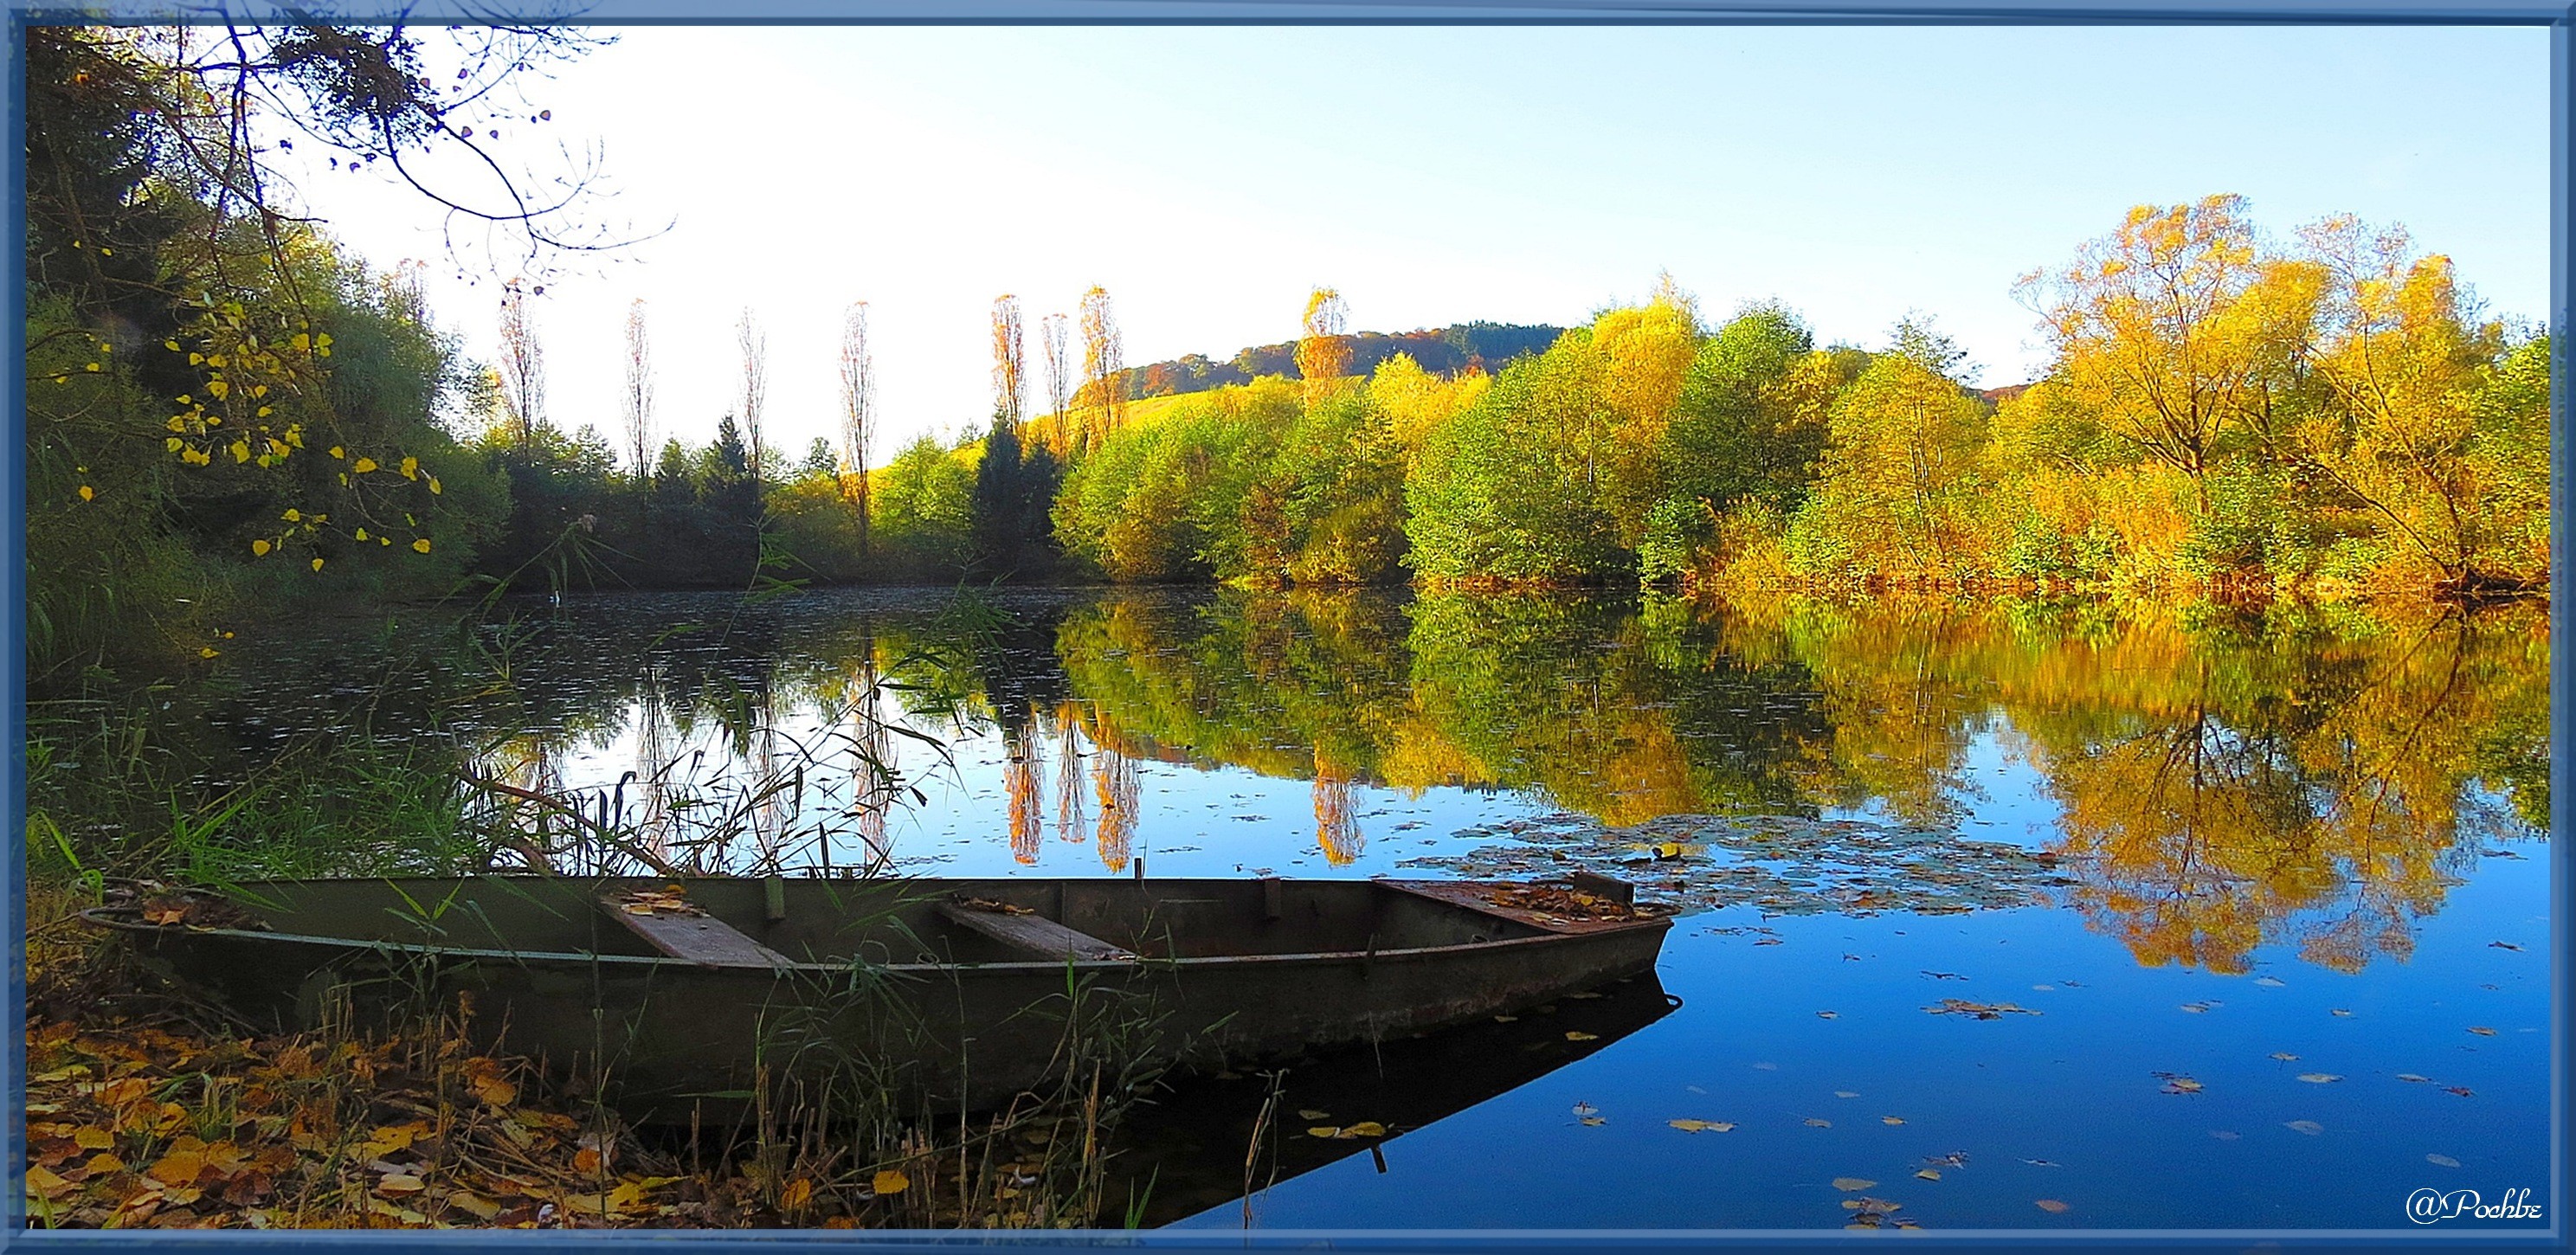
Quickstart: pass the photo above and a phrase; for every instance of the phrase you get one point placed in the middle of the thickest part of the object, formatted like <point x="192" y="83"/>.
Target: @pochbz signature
<point x="2431" y="1206"/>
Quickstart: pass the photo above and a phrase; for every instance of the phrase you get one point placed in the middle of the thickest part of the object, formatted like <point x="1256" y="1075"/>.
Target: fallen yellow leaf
<point x="892" y="1181"/>
<point x="45" y="1183"/>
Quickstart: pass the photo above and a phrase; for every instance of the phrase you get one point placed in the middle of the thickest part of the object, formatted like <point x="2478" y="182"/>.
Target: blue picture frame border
<point x="2557" y="15"/>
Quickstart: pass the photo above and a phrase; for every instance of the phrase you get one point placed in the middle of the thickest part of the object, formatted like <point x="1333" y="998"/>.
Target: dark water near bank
<point x="2241" y="915"/>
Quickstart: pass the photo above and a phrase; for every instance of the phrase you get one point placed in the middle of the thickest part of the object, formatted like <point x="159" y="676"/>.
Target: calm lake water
<point x="1997" y="914"/>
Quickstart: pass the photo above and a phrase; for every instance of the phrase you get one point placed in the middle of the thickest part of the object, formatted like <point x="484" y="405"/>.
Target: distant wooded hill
<point x="1442" y="351"/>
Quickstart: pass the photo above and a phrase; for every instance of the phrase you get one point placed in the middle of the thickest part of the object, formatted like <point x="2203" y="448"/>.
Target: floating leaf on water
<point x="1702" y="1126"/>
<point x="1694" y="1089"/>
<point x="1828" y="1015"/>
<point x="1891" y="1120"/>
<point x="1767" y="1067"/>
<point x="2319" y="1078"/>
<point x="2284" y="1056"/>
<point x="2461" y="1090"/>
<point x="2505" y="945"/>
<point x="2482" y="1030"/>
<point x="2045" y="989"/>
<point x="2222" y="1135"/>
<point x="2413" y="1079"/>
<point x="1849" y="1184"/>
<point x="2309" y="1127"/>
<point x="1596" y="1121"/>
<point x="1586" y="1109"/>
<point x="2443" y="1160"/>
<point x="2051" y="1206"/>
<point x="1815" y="1123"/>
<point x="2270" y="982"/>
<point x="2043" y="1163"/>
<point x="1844" y="1093"/>
<point x="2339" y="1011"/>
<point x="1928" y="1174"/>
<point x="2195" y="1008"/>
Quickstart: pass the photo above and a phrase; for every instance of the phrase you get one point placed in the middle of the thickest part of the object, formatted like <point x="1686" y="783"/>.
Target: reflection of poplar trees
<point x="768" y="817"/>
<point x="1337" y="830"/>
<point x="1024" y="778"/>
<point x="872" y="779"/>
<point x="1113" y="777"/>
<point x="652" y="763"/>
<point x="1069" y="819"/>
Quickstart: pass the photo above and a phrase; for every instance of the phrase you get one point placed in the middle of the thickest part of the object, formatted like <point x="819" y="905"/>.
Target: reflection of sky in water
<point x="2079" y="1086"/>
<point x="2076" y="1085"/>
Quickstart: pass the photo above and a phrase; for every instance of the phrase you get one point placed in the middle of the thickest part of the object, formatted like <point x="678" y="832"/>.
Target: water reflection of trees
<point x="2225" y="779"/>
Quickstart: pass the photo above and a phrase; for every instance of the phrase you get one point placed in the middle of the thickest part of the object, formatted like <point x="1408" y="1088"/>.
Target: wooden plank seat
<point x="1030" y="932"/>
<point x="695" y="936"/>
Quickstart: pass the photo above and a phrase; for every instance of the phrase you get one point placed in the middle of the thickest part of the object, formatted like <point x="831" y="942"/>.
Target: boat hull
<point x="880" y="996"/>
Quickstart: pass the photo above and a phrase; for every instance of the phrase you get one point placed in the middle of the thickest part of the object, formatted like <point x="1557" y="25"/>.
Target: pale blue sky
<point x="1208" y="177"/>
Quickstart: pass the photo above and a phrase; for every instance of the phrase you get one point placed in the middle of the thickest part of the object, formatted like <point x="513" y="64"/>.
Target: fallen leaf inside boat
<point x="891" y="1181"/>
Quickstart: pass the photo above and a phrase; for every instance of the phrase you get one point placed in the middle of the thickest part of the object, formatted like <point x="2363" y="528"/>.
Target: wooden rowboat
<point x="958" y="992"/>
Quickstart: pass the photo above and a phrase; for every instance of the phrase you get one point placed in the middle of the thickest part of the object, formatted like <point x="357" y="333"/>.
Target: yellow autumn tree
<point x="1640" y="355"/>
<point x="2404" y="362"/>
<point x="2154" y="333"/>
